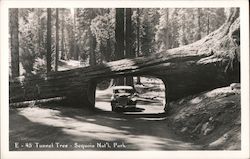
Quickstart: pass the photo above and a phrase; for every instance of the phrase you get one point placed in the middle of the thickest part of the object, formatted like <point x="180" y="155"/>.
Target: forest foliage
<point x="88" y="34"/>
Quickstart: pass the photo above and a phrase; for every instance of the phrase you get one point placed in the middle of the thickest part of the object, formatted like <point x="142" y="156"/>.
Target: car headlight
<point x="133" y="99"/>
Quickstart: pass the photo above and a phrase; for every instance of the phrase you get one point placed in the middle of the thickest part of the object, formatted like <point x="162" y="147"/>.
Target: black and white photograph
<point x="125" y="79"/>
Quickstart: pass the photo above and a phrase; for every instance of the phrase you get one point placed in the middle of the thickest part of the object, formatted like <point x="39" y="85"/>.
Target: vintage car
<point x="123" y="97"/>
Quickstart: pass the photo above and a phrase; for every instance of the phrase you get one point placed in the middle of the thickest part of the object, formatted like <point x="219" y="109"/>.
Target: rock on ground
<point x="212" y="118"/>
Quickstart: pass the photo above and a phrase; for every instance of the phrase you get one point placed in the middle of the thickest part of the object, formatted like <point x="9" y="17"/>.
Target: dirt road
<point x="54" y="127"/>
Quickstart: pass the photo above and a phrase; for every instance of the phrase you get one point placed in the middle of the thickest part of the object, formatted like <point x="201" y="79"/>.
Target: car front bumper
<point x="124" y="106"/>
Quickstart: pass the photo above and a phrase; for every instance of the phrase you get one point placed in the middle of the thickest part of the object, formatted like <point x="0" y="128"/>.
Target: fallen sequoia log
<point x="206" y="64"/>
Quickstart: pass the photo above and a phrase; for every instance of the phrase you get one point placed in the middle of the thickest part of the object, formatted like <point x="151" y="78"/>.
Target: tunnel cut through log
<point x="151" y="91"/>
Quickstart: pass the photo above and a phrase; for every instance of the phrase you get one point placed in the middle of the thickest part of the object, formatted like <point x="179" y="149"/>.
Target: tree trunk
<point x="119" y="33"/>
<point x="39" y="32"/>
<point x="198" y="37"/>
<point x="92" y="40"/>
<point x="167" y="42"/>
<point x="138" y="39"/>
<point x="43" y="37"/>
<point x="183" y="36"/>
<point x="128" y="34"/>
<point x="62" y="35"/>
<point x="128" y="43"/>
<point x="57" y="41"/>
<point x="14" y="42"/>
<point x="48" y="56"/>
<point x="92" y="55"/>
<point x="138" y="32"/>
<point x="75" y="51"/>
<point x="208" y="27"/>
<point x="119" y="37"/>
<point x="109" y="50"/>
<point x="138" y="80"/>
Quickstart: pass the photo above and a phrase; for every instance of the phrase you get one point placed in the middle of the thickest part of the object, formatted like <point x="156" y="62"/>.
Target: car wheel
<point x="113" y="109"/>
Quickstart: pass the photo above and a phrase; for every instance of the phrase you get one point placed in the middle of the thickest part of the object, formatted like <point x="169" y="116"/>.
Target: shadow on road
<point x="51" y="123"/>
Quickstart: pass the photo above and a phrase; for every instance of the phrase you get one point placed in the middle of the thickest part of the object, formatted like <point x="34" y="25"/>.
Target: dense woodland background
<point x="193" y="78"/>
<point x="42" y="39"/>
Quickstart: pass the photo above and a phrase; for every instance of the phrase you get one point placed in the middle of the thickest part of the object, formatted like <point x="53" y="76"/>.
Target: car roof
<point x="122" y="87"/>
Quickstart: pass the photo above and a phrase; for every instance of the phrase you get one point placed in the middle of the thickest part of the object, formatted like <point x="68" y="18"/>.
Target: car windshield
<point x="123" y="91"/>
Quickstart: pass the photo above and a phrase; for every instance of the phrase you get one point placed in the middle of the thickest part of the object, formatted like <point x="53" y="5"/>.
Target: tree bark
<point x="39" y="32"/>
<point x="14" y="42"/>
<point x="198" y="37"/>
<point x="109" y="50"/>
<point x="208" y="23"/>
<point x="57" y="41"/>
<point x="128" y="42"/>
<point x="138" y="40"/>
<point x="92" y="39"/>
<point x="119" y="33"/>
<point x="119" y="37"/>
<point x="167" y="42"/>
<point x="128" y="34"/>
<point x="92" y="55"/>
<point x="62" y="35"/>
<point x="75" y="51"/>
<point x="138" y="32"/>
<point x="48" y="56"/>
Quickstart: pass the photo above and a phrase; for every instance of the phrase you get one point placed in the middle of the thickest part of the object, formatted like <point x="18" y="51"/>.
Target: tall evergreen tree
<point x="128" y="42"/>
<point x="48" y="56"/>
<point x="149" y="20"/>
<point x="75" y="47"/>
<point x="138" y="39"/>
<point x="163" y="32"/>
<point x="208" y="22"/>
<point x="62" y="35"/>
<point x="102" y="26"/>
<point x="57" y="41"/>
<point x="14" y="41"/>
<point x="92" y="55"/>
<point x="119" y="37"/>
<point x="198" y="36"/>
<point x="119" y="33"/>
<point x="84" y="20"/>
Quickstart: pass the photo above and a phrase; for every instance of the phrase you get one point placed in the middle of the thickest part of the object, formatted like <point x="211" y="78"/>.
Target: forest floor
<point x="209" y="120"/>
